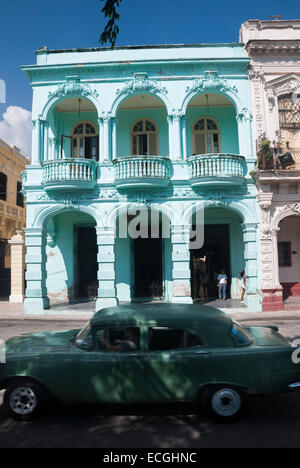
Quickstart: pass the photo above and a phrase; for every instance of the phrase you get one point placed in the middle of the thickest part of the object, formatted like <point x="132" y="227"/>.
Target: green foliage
<point x="111" y="30"/>
<point x="265" y="155"/>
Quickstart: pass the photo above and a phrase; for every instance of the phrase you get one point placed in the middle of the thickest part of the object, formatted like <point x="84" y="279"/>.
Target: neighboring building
<point x="274" y="50"/>
<point x="161" y="128"/>
<point x="12" y="211"/>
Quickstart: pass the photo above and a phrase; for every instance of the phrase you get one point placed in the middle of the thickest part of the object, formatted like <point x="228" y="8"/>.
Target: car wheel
<point x="24" y="400"/>
<point x="224" y="403"/>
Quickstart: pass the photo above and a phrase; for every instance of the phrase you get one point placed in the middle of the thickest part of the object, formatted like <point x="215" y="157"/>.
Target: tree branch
<point x="111" y="30"/>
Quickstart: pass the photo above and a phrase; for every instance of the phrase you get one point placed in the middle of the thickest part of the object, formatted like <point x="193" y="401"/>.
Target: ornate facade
<point x="12" y="210"/>
<point x="274" y="50"/>
<point x="165" y="130"/>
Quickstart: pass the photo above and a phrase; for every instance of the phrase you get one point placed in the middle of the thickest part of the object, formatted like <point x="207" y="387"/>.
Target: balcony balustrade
<point x="216" y="170"/>
<point x="9" y="211"/>
<point x="142" y="172"/>
<point x="69" y="174"/>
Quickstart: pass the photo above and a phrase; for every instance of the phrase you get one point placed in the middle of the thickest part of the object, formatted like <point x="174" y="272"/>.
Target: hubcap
<point x="23" y="400"/>
<point x="226" y="402"/>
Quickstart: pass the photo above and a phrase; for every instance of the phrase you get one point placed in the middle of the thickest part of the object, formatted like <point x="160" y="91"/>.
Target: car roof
<point x="188" y="315"/>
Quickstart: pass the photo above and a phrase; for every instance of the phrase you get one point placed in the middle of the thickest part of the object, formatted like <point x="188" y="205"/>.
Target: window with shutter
<point x="144" y="138"/>
<point x="85" y="141"/>
<point x="206" y="136"/>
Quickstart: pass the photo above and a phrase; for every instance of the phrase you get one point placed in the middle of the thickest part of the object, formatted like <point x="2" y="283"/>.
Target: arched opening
<point x="211" y="125"/>
<point x="222" y="251"/>
<point x="73" y="130"/>
<point x="71" y="257"/>
<point x="142" y="126"/>
<point x="289" y="258"/>
<point x="143" y="252"/>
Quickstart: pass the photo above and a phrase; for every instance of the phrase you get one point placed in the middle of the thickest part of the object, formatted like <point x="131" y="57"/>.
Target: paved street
<point x="269" y="422"/>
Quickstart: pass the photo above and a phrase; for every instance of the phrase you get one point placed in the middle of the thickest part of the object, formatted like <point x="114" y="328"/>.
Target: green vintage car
<point x="149" y="353"/>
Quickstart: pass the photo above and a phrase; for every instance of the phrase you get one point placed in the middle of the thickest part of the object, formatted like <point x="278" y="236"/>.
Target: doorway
<point x="87" y="265"/>
<point x="207" y="262"/>
<point x="148" y="268"/>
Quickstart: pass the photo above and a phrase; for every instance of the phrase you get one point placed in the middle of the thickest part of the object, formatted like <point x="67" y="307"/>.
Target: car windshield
<point x="240" y="336"/>
<point x="84" y="338"/>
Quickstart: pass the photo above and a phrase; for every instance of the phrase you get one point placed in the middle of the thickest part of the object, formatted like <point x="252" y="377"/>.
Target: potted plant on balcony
<point x="265" y="158"/>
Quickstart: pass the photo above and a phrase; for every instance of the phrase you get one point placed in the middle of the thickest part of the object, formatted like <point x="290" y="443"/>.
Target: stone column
<point x="114" y="137"/>
<point x="244" y="121"/>
<point x="17" y="254"/>
<point x="184" y="146"/>
<point x="257" y="78"/>
<point x="101" y="139"/>
<point x="36" y="293"/>
<point x="36" y="137"/>
<point x="106" y="137"/>
<point x="107" y="293"/>
<point x="250" y="257"/>
<point x="181" y="273"/>
<point x="170" y="126"/>
<point x="46" y="139"/>
<point x="177" y="135"/>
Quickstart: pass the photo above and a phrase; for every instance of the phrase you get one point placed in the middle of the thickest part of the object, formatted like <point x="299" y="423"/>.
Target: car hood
<point x="43" y="341"/>
<point x="267" y="336"/>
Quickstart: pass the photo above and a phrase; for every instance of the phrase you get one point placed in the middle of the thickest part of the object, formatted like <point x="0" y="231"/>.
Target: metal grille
<point x="289" y="112"/>
<point x="284" y="254"/>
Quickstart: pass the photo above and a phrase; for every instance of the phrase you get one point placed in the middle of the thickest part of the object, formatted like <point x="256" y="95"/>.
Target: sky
<point x="26" y="25"/>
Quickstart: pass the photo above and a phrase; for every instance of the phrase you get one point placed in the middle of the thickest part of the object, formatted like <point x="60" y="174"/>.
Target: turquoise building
<point x="155" y="137"/>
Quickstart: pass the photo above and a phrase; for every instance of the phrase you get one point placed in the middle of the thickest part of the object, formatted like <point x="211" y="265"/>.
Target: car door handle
<point x="136" y="355"/>
<point x="201" y="352"/>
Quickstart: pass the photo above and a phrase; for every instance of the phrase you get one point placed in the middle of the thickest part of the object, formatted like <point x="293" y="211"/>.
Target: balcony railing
<point x="142" y="172"/>
<point x="69" y="174"/>
<point x="10" y="211"/>
<point x="216" y="169"/>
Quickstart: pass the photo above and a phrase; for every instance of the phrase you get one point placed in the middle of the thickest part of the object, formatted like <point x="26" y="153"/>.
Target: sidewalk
<point x="84" y="311"/>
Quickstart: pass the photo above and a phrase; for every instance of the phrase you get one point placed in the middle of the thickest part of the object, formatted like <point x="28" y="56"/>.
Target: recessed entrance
<point x="148" y="268"/>
<point x="87" y="266"/>
<point x="207" y="262"/>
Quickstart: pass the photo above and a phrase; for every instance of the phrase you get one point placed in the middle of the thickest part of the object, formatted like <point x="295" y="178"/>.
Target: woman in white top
<point x="243" y="286"/>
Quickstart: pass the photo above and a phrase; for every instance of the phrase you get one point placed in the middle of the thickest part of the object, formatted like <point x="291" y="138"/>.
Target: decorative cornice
<point x="141" y="83"/>
<point x="211" y="81"/>
<point x="244" y="114"/>
<point x="72" y="87"/>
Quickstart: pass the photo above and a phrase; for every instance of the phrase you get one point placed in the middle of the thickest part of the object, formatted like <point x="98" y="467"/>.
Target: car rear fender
<point x="204" y="387"/>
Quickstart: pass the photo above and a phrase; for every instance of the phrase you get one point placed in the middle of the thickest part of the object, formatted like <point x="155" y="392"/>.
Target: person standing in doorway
<point x="243" y="285"/>
<point x="222" y="284"/>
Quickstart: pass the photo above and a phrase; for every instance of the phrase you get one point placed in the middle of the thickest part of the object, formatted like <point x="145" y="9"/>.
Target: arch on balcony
<point x="140" y="86"/>
<point x="71" y="90"/>
<point x="212" y="83"/>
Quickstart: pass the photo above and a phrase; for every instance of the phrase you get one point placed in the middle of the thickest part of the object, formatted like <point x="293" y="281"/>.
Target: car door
<point x="176" y="364"/>
<point x="112" y="376"/>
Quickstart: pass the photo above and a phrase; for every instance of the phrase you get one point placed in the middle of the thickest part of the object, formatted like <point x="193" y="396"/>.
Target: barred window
<point x="289" y="112"/>
<point x="284" y="254"/>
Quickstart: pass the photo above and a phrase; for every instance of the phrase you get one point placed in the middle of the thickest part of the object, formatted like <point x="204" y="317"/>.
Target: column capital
<point x="249" y="227"/>
<point x="105" y="231"/>
<point x="35" y="232"/>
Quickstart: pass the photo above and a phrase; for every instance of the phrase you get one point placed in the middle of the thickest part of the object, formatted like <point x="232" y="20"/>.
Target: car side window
<point x="165" y="338"/>
<point x="118" y="339"/>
